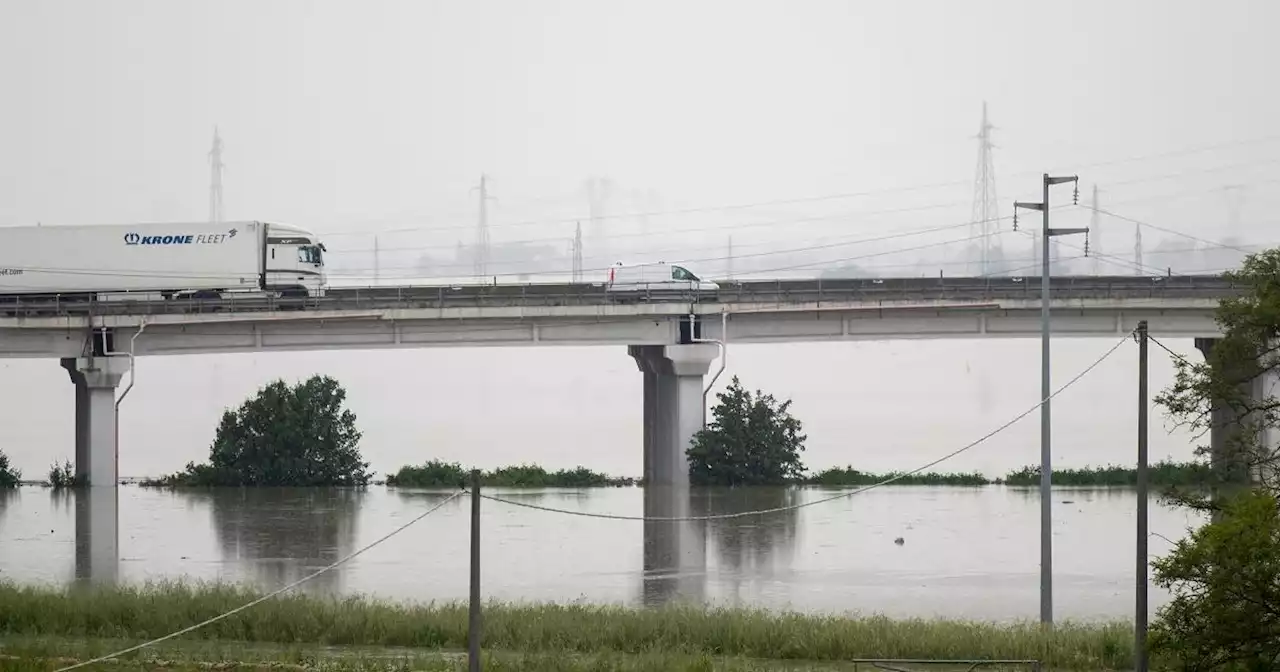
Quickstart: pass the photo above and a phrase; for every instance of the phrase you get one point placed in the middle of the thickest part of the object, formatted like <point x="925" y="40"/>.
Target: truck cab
<point x="294" y="261"/>
<point x="656" y="277"/>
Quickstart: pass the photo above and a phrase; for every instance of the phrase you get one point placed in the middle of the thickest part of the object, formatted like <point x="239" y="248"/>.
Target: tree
<point x="285" y="436"/>
<point x="753" y="440"/>
<point x="1218" y="392"/>
<point x="1225" y="578"/>
<point x="9" y="477"/>
<point x="1225" y="614"/>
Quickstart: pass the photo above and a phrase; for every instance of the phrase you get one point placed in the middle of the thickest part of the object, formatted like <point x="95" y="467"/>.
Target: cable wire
<point x="268" y="596"/>
<point x="887" y="481"/>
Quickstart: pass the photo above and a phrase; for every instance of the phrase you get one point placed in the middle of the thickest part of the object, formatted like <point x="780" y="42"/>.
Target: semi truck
<point x="161" y="261"/>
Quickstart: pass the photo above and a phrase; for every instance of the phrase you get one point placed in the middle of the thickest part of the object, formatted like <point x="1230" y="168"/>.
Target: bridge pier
<point x="673" y="406"/>
<point x="96" y="379"/>
<point x="1226" y="421"/>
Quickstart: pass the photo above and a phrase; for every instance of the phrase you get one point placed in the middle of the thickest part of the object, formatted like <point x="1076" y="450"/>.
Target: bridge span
<point x="663" y="332"/>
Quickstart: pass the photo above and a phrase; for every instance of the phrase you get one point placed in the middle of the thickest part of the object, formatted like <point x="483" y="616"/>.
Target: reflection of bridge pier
<point x="97" y="532"/>
<point x="675" y="558"/>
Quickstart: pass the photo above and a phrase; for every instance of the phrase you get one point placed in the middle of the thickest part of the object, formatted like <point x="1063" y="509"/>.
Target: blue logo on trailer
<point x="132" y="238"/>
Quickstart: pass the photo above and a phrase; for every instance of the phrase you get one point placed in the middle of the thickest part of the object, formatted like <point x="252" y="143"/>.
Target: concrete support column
<point x="96" y="379"/>
<point x="673" y="406"/>
<point x="1225" y="423"/>
<point x="97" y="507"/>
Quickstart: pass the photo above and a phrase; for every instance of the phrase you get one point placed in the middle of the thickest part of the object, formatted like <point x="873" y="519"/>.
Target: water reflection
<point x="675" y="558"/>
<point x="751" y="548"/>
<point x="279" y="535"/>
<point x="969" y="552"/>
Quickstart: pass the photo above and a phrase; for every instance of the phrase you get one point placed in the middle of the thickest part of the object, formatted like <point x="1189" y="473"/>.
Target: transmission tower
<point x="1095" y="233"/>
<point x="1137" y="250"/>
<point x="215" y="179"/>
<point x="729" y="258"/>
<point x="985" y="220"/>
<point x="598" y="192"/>
<point x="481" y="255"/>
<point x="577" y="254"/>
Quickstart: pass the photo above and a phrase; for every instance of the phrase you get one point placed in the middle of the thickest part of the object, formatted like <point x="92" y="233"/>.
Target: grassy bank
<point x="578" y="630"/>
<point x="437" y="474"/>
<point x="1162" y="473"/>
<point x="848" y="476"/>
<point x="1166" y="474"/>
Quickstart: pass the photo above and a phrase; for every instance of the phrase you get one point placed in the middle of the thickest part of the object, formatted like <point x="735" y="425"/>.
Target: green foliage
<point x="1225" y="582"/>
<point x="1163" y="473"/>
<point x="838" y="476"/>
<point x="296" y="435"/>
<point x="438" y="474"/>
<point x="9" y="477"/>
<point x="64" y="476"/>
<point x="753" y="440"/>
<point x="87" y="613"/>
<point x="1247" y="350"/>
<point x="1225" y="579"/>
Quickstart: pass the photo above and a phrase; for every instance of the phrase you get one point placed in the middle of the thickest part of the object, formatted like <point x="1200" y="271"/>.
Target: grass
<point x="436" y="474"/>
<point x="1164" y="473"/>
<point x="139" y="613"/>
<point x="64" y="476"/>
<point x="844" y="476"/>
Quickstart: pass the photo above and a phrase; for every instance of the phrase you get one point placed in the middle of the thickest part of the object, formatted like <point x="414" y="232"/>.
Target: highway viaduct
<point x="674" y="338"/>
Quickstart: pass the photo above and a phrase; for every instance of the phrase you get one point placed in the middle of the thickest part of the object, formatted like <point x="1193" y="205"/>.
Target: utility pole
<point x="481" y="255"/>
<point x="577" y="254"/>
<point x="377" y="264"/>
<point x="1140" y="605"/>
<point x="215" y="179"/>
<point x="1094" y="221"/>
<point x="1046" y="462"/>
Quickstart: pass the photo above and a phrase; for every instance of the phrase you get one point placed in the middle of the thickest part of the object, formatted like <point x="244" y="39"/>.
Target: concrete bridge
<point x="668" y="334"/>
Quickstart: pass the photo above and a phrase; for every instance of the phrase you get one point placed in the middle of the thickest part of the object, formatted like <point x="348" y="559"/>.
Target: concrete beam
<point x="776" y="326"/>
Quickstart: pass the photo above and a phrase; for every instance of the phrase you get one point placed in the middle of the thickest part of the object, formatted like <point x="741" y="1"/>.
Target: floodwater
<point x="966" y="552"/>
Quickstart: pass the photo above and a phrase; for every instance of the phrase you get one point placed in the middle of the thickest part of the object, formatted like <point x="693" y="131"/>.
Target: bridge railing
<point x="887" y="291"/>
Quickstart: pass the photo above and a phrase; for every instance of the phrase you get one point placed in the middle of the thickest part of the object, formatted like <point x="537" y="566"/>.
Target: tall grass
<point x="439" y="474"/>
<point x="1164" y="473"/>
<point x="155" y="610"/>
<point x="64" y="476"/>
<point x="851" y="476"/>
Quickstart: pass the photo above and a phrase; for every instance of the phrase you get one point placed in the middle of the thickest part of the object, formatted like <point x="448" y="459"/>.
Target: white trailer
<point x="141" y="261"/>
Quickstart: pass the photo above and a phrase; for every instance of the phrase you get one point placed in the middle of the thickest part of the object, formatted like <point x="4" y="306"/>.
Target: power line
<point x="268" y="596"/>
<point x="824" y="500"/>
<point x="851" y="194"/>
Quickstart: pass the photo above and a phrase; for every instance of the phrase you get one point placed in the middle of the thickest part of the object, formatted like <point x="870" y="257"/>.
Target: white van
<point x="655" y="277"/>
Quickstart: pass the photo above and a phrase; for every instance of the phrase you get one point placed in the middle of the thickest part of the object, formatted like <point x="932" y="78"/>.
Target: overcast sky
<point x="352" y="118"/>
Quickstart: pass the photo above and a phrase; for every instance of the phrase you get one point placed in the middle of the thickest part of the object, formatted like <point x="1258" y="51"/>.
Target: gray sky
<point x="352" y="118"/>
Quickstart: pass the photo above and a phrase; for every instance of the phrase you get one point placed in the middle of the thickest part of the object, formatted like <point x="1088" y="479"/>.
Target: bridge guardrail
<point x="761" y="292"/>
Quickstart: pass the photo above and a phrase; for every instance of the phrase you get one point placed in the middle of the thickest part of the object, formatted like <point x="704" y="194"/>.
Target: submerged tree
<point x="753" y="440"/>
<point x="285" y="436"/>
<point x="1225" y="578"/>
<point x="9" y="477"/>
